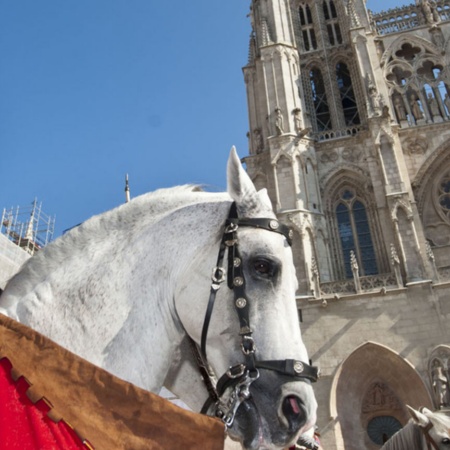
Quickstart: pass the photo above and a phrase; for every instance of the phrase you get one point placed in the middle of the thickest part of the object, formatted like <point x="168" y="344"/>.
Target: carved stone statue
<point x="259" y="143"/>
<point x="297" y="120"/>
<point x="415" y="107"/>
<point x="433" y="105"/>
<point x="374" y="96"/>
<point x="399" y="109"/>
<point x="279" y="121"/>
<point x="440" y="384"/>
<point x="430" y="12"/>
<point x="447" y="103"/>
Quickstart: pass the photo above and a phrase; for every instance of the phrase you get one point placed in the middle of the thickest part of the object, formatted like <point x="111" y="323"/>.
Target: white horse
<point x="426" y="430"/>
<point x="126" y="288"/>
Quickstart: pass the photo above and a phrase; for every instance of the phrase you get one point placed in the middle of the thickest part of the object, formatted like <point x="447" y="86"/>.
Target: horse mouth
<point x="254" y="431"/>
<point x="294" y="411"/>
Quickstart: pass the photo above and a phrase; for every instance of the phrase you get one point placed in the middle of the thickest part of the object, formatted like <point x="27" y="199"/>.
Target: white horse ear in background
<point x="419" y="417"/>
<point x="242" y="190"/>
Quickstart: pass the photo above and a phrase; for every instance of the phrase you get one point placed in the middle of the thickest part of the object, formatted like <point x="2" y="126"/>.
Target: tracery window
<point x="354" y="233"/>
<point x="419" y="76"/>
<point x="348" y="99"/>
<point x="321" y="108"/>
<point x="333" y="29"/>
<point x="307" y="28"/>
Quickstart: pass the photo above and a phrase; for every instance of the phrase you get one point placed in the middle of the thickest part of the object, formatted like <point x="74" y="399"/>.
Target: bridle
<point x="232" y="389"/>
<point x="431" y="444"/>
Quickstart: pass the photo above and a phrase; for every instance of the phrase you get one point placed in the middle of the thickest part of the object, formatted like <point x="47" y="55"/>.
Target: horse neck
<point x="117" y="287"/>
<point x="177" y="255"/>
<point x="409" y="437"/>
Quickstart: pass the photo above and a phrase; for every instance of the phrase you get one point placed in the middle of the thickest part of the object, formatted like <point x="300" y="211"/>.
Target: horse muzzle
<point x="275" y="415"/>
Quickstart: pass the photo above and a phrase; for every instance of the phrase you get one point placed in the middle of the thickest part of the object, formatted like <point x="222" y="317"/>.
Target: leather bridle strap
<point x="218" y="277"/>
<point x="240" y="376"/>
<point x="429" y="440"/>
<point x="292" y="367"/>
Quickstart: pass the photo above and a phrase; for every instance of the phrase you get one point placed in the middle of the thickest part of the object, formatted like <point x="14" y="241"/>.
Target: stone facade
<point x="349" y="117"/>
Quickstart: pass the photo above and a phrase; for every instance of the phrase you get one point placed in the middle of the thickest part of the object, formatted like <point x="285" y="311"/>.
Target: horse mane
<point x="108" y="228"/>
<point x="409" y="437"/>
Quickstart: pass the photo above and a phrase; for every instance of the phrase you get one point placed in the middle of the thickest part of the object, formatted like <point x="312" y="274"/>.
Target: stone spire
<point x="127" y="189"/>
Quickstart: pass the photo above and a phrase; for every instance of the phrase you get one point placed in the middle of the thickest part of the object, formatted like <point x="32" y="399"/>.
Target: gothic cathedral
<point x="349" y="115"/>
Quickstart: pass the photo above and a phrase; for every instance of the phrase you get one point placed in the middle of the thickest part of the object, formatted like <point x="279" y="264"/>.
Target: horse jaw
<point x="241" y="189"/>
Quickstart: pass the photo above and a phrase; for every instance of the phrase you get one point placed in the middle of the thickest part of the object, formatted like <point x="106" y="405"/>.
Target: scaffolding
<point x="28" y="227"/>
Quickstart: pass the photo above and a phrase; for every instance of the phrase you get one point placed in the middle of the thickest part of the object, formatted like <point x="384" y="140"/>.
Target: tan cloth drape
<point x="110" y="413"/>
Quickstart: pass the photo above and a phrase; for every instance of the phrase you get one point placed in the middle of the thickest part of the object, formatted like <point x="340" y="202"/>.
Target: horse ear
<point x="421" y="419"/>
<point x="264" y="198"/>
<point x="242" y="191"/>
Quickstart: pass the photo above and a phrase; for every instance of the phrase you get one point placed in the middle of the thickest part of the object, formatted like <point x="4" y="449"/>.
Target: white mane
<point x="125" y="288"/>
<point x="127" y="219"/>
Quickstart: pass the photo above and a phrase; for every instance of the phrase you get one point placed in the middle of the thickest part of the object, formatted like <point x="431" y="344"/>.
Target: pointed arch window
<point x="348" y="99"/>
<point x="332" y="23"/>
<point x="307" y="28"/>
<point x="354" y="234"/>
<point x="321" y="108"/>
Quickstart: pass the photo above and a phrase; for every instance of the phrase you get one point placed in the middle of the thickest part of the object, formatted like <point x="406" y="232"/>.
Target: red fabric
<point x="24" y="425"/>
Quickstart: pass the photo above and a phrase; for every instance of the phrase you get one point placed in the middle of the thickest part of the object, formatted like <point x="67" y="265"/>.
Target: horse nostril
<point x="294" y="412"/>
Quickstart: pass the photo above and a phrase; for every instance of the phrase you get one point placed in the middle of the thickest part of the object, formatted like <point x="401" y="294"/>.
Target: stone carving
<point x="440" y="384"/>
<point x="329" y="157"/>
<point x="416" y="145"/>
<point x="447" y="104"/>
<point x="355" y="271"/>
<point x="395" y="261"/>
<point x="297" y="120"/>
<point x="279" y="121"/>
<point x="437" y="37"/>
<point x="433" y="105"/>
<point x="394" y="256"/>
<point x="354" y="262"/>
<point x="259" y="143"/>
<point x="399" y="109"/>
<point x="430" y="12"/>
<point x="415" y="107"/>
<point x="351" y="155"/>
<point x="380" y="397"/>
<point x="374" y="96"/>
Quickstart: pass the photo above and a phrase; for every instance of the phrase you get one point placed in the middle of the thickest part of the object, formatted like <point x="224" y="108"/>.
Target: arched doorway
<point x="369" y="394"/>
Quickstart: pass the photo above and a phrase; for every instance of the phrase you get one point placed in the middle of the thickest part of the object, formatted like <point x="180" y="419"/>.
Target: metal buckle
<point x="218" y="275"/>
<point x="248" y="340"/>
<point x="241" y="368"/>
<point x="226" y="409"/>
<point x="231" y="228"/>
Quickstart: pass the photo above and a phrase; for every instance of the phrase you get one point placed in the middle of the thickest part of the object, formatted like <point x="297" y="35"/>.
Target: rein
<point x="232" y="389"/>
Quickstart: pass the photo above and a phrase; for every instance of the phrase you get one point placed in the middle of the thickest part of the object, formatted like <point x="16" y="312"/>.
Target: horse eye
<point x="446" y="441"/>
<point x="263" y="267"/>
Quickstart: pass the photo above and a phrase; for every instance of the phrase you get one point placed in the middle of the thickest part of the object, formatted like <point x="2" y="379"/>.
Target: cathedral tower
<point x="349" y="131"/>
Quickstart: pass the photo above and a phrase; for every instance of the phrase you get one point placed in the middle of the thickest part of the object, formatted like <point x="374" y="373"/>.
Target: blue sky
<point x="93" y="89"/>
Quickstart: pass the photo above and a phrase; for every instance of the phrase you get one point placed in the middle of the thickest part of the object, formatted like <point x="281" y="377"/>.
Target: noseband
<point x="232" y="389"/>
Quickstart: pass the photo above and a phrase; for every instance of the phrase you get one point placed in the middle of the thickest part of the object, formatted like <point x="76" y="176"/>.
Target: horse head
<point x="248" y="331"/>
<point x="435" y="428"/>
